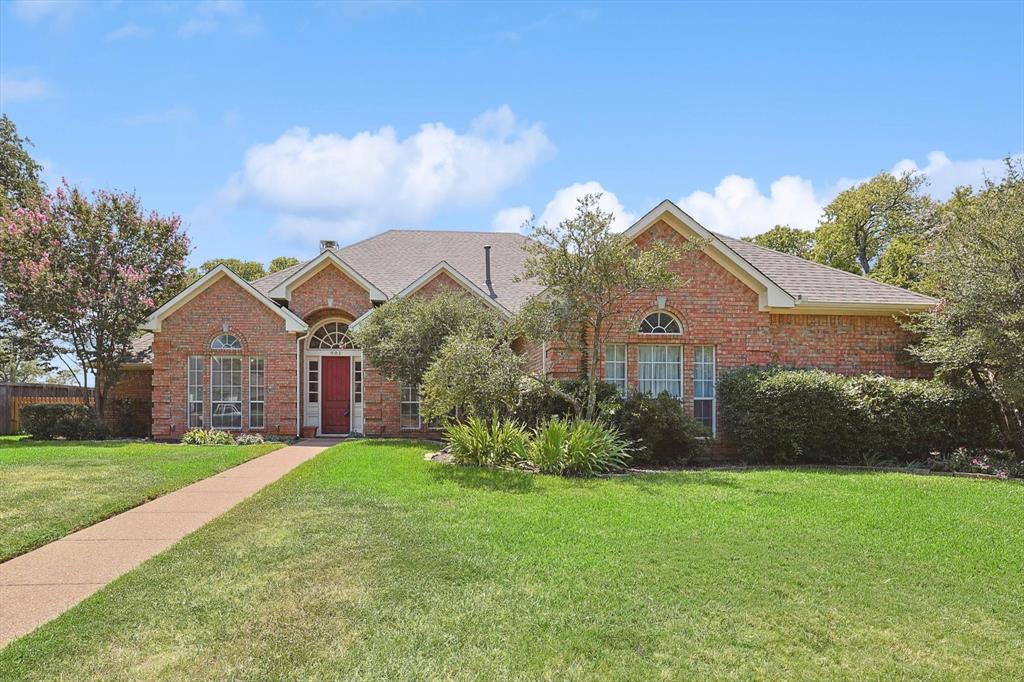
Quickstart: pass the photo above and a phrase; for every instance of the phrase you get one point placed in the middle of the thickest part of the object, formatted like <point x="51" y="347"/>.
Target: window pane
<point x="226" y="342"/>
<point x="660" y="370"/>
<point x="615" y="365"/>
<point x="357" y="381"/>
<point x="256" y="399"/>
<point x="409" y="397"/>
<point x="703" y="411"/>
<point x="314" y="381"/>
<point x="226" y="393"/>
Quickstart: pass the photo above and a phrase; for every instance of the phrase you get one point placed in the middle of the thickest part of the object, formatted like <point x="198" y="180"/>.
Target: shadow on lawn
<point x="485" y="479"/>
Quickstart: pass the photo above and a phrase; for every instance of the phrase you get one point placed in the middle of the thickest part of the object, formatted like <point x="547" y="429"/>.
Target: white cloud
<point x="737" y="206"/>
<point x="129" y="31"/>
<point x="175" y="115"/>
<point x="511" y="219"/>
<point x="22" y="89"/>
<point x="563" y="205"/>
<point x="352" y="185"/>
<point x="58" y="13"/>
<point x="211" y="15"/>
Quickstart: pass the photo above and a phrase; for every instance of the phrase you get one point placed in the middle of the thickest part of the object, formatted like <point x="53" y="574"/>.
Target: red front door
<point x="336" y="416"/>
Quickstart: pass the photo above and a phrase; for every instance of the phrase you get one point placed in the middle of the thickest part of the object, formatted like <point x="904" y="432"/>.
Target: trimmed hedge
<point x="776" y="415"/>
<point x="47" y="421"/>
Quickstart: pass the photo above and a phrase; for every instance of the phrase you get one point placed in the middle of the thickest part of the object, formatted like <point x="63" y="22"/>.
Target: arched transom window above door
<point x="331" y="335"/>
<point x="660" y="323"/>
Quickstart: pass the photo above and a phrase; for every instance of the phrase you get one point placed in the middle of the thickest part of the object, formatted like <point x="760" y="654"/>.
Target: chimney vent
<point x="327" y="244"/>
<point x="487" y="271"/>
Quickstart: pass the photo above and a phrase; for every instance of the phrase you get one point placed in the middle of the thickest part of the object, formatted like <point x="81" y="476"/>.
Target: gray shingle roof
<point x="395" y="259"/>
<point x="819" y="283"/>
<point x="142" y="350"/>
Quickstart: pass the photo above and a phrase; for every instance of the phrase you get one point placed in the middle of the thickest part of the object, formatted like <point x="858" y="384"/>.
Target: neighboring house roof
<point x="141" y="352"/>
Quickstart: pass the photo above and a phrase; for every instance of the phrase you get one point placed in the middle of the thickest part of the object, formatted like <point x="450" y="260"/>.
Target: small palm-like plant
<point x="547" y="449"/>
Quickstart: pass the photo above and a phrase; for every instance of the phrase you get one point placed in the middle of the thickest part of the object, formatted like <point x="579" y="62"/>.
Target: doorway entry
<point x="336" y="407"/>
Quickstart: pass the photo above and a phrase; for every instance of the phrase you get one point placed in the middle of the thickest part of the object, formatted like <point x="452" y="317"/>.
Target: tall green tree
<point x="87" y="271"/>
<point x="282" y="263"/>
<point x="977" y="264"/>
<point x="791" y="240"/>
<point x="249" y="270"/>
<point x="861" y="223"/>
<point x="588" y="272"/>
<point x="20" y="185"/>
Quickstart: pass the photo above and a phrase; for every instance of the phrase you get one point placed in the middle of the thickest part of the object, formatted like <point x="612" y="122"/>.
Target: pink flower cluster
<point x="33" y="269"/>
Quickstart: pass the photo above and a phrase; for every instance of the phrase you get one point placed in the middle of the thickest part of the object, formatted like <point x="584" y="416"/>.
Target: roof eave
<point x="283" y="290"/>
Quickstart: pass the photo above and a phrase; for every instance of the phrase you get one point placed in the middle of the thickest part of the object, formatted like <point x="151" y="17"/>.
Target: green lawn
<point x="49" y="489"/>
<point x="369" y="563"/>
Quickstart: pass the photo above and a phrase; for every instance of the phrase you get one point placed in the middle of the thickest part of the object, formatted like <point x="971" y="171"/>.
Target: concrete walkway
<point x="40" y="585"/>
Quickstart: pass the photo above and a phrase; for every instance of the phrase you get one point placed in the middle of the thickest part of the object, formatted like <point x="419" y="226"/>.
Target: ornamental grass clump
<point x="475" y="442"/>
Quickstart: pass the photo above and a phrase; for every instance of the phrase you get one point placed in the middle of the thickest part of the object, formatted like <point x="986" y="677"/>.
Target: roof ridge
<point x="805" y="261"/>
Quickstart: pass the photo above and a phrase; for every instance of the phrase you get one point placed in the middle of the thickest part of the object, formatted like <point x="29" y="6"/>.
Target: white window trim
<point x="714" y="390"/>
<point x="625" y="366"/>
<point x="682" y="364"/>
<point x="660" y="334"/>
<point x="263" y="385"/>
<point x="241" y="404"/>
<point x="401" y="402"/>
<point x="188" y="394"/>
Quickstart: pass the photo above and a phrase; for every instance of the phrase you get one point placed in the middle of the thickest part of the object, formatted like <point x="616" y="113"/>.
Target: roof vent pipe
<point x="487" y="271"/>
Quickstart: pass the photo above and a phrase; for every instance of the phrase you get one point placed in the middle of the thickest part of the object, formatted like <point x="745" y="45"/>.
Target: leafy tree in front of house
<point x="588" y="272"/>
<point x="24" y="352"/>
<point x="20" y="185"/>
<point x="977" y="332"/>
<point x="282" y="263"/>
<point x="87" y="271"/>
<point x="473" y="376"/>
<point x="402" y="337"/>
<point x="791" y="240"/>
<point x="902" y="264"/>
<point x="860" y="224"/>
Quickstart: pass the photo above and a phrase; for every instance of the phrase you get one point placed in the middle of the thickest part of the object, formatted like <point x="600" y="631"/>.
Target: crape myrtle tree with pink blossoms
<point x="87" y="270"/>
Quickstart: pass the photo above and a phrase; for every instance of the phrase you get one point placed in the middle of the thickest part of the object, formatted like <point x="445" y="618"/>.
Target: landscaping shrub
<point x="211" y="437"/>
<point x="62" y="420"/>
<point x="249" y="439"/>
<point x="131" y="417"/>
<point x="557" y="447"/>
<point x="811" y="416"/>
<point x="660" y="429"/>
<point x="537" y="404"/>
<point x="500" y="442"/>
<point x="991" y="461"/>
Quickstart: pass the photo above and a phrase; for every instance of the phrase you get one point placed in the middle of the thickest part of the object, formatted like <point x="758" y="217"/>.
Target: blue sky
<point x="270" y="125"/>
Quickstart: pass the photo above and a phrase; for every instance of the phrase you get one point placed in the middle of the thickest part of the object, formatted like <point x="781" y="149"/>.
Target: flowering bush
<point x="249" y="439"/>
<point x="211" y="437"/>
<point x="999" y="463"/>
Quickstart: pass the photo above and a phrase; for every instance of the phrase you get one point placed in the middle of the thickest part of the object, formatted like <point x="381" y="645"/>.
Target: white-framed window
<point x="226" y="393"/>
<point x="226" y="342"/>
<point x="257" y="398"/>
<point x="331" y="335"/>
<point x="660" y="323"/>
<point x="410" y="407"/>
<point x="661" y="370"/>
<point x="195" y="392"/>
<point x="313" y="383"/>
<point x="357" y="381"/>
<point x="615" y="365"/>
<point x="704" y="386"/>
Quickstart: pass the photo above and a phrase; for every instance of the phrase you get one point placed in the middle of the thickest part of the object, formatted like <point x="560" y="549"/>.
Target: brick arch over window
<point x="324" y="314"/>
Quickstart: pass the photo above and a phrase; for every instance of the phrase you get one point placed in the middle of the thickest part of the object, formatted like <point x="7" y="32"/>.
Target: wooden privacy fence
<point x="15" y="396"/>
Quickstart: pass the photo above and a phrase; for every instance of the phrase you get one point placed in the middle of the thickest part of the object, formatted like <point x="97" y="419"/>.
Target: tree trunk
<point x="1010" y="432"/>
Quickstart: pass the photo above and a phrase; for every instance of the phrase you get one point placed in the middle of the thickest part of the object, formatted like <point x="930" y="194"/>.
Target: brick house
<point x="275" y="355"/>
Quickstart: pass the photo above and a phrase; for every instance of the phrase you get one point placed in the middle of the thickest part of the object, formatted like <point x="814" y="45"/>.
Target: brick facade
<point x="713" y="306"/>
<point x="190" y="330"/>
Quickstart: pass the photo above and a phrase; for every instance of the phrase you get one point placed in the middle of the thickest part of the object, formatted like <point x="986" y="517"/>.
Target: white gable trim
<point x="293" y="323"/>
<point x="284" y="289"/>
<point x="770" y="294"/>
<point x="430" y="275"/>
